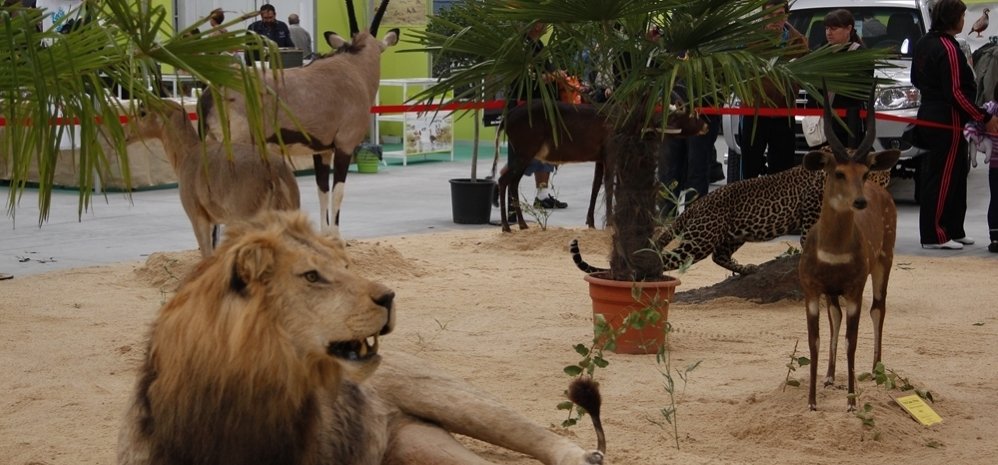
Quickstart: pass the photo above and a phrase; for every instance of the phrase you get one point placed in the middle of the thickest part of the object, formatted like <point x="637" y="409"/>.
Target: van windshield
<point x="879" y="27"/>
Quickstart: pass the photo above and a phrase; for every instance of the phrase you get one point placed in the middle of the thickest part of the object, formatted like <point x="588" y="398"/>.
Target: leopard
<point x="750" y="210"/>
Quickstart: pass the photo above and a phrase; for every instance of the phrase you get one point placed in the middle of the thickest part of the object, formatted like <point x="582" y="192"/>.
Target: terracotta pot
<point x="615" y="301"/>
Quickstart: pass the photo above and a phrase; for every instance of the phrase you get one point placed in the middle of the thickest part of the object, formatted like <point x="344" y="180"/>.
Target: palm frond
<point x="67" y="72"/>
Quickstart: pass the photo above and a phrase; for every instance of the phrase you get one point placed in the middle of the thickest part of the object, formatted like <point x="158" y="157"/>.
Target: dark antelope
<point x="583" y="134"/>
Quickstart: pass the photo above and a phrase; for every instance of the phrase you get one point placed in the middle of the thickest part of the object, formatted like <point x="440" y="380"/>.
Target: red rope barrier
<point x="499" y="104"/>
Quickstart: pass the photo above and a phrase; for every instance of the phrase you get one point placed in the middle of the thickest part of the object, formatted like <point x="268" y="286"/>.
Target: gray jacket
<point x="302" y="40"/>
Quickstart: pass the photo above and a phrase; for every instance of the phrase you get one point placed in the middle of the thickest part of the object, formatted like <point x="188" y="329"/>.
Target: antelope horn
<point x="380" y="13"/>
<point x="871" y="127"/>
<point x="834" y="143"/>
<point x="352" y="16"/>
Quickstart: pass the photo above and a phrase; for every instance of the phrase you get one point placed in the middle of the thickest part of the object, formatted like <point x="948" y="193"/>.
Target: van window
<point x="880" y="27"/>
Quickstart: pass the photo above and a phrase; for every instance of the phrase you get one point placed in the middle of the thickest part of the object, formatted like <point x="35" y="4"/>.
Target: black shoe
<point x="549" y="203"/>
<point x="993" y="247"/>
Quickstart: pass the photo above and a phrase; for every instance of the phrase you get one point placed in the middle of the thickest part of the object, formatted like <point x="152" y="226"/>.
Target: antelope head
<point x="846" y="170"/>
<point x="360" y="39"/>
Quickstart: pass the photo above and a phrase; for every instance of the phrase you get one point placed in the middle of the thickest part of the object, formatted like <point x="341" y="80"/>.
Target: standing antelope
<point x="215" y="188"/>
<point x="853" y="239"/>
<point x="583" y="135"/>
<point x="331" y="99"/>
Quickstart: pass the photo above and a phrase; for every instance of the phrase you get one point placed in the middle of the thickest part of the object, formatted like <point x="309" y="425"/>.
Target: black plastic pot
<point x="471" y="201"/>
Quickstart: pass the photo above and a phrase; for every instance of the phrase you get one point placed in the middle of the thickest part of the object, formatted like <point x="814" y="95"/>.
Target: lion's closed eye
<point x="313" y="276"/>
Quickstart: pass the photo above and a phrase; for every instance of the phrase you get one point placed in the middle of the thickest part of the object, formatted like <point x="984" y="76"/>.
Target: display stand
<point x="423" y="133"/>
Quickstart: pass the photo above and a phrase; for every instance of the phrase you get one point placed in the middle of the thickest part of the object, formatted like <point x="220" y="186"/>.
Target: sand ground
<point x="503" y="312"/>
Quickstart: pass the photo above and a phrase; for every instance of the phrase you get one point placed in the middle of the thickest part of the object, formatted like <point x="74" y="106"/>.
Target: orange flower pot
<point x="615" y="301"/>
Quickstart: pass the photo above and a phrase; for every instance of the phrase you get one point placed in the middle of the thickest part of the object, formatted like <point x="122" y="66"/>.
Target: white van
<point x="891" y="24"/>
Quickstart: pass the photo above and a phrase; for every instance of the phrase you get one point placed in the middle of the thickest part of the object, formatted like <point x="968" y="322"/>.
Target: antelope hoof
<point x="812" y="407"/>
<point x="851" y="408"/>
<point x="829" y="381"/>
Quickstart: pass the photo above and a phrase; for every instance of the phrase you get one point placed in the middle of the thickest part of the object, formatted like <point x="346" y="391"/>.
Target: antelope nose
<point x="859" y="203"/>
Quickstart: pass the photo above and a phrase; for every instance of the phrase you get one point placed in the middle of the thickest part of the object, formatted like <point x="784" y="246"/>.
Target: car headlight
<point x="898" y="98"/>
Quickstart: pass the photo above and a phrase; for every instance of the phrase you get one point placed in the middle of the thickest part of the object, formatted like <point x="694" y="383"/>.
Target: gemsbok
<point x="330" y="99"/>
<point x="853" y="238"/>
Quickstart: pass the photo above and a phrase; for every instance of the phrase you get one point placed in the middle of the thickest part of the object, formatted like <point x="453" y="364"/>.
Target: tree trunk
<point x="634" y="191"/>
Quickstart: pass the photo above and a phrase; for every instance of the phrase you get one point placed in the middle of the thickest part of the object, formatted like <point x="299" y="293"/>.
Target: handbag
<point x="814" y="130"/>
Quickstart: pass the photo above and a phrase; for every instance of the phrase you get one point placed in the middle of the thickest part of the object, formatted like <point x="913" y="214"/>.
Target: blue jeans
<point x="686" y="162"/>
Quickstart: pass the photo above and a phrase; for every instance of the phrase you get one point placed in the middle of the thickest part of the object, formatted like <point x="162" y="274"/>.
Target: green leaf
<point x="582" y="350"/>
<point x="864" y="377"/>
<point x="566" y="405"/>
<point x="793" y="382"/>
<point x="803" y="361"/>
<point x="600" y="362"/>
<point x="568" y="422"/>
<point x="573" y="370"/>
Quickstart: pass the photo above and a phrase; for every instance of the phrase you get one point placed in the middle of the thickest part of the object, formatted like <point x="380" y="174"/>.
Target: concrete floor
<point x="396" y="201"/>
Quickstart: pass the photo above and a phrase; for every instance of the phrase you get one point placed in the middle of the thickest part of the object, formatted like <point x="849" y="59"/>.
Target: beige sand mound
<point x="503" y="311"/>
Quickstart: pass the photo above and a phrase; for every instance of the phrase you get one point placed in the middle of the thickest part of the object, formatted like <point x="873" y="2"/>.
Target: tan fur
<point x="214" y="188"/>
<point x="329" y="100"/>
<point x="238" y="371"/>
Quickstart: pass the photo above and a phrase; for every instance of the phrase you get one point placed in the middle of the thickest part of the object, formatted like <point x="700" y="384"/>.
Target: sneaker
<point x="549" y="203"/>
<point x="965" y="240"/>
<point x="993" y="247"/>
<point x="948" y="245"/>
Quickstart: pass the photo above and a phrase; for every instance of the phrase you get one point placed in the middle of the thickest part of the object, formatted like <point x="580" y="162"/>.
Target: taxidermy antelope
<point x="215" y="189"/>
<point x="331" y="98"/>
<point x="853" y="239"/>
<point x="583" y="134"/>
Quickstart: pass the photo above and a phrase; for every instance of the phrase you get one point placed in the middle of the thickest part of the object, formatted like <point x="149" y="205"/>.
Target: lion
<point x="269" y="354"/>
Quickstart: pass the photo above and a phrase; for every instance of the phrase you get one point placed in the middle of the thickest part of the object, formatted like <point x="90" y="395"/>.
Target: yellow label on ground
<point x="919" y="410"/>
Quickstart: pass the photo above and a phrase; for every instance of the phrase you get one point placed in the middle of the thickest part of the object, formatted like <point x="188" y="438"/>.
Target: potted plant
<point x="471" y="198"/>
<point x="715" y="48"/>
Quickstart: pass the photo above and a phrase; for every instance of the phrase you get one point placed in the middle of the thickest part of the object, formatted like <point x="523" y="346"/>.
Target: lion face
<point x="305" y="280"/>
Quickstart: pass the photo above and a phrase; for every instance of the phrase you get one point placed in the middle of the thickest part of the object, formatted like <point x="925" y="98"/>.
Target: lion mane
<point x="242" y="362"/>
<point x="268" y="354"/>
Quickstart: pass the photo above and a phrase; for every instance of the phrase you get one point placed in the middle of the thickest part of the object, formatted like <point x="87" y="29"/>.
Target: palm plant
<point x="716" y="49"/>
<point x="61" y="74"/>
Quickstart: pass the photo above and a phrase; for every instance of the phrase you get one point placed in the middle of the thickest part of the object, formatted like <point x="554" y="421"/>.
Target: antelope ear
<point x="882" y="161"/>
<point x="334" y="40"/>
<point x="253" y="263"/>
<point x="392" y="37"/>
<point x="816" y="160"/>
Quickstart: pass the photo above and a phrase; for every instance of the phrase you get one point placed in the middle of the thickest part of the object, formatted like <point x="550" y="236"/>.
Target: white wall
<point x="189" y="11"/>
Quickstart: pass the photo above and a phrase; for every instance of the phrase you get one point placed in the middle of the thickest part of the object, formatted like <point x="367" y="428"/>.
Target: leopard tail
<point x="579" y="262"/>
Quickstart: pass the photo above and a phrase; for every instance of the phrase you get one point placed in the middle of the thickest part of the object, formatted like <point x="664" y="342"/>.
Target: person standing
<point x="767" y="142"/>
<point x="539" y="170"/>
<point x="940" y="72"/>
<point x="684" y="165"/>
<point x="300" y="37"/>
<point x="840" y="30"/>
<point x="270" y="27"/>
<point x="215" y="20"/>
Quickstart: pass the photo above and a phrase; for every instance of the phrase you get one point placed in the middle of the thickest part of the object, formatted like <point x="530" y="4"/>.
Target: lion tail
<point x="584" y="392"/>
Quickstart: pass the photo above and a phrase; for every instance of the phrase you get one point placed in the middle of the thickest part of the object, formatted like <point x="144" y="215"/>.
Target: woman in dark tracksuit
<point x="941" y="73"/>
